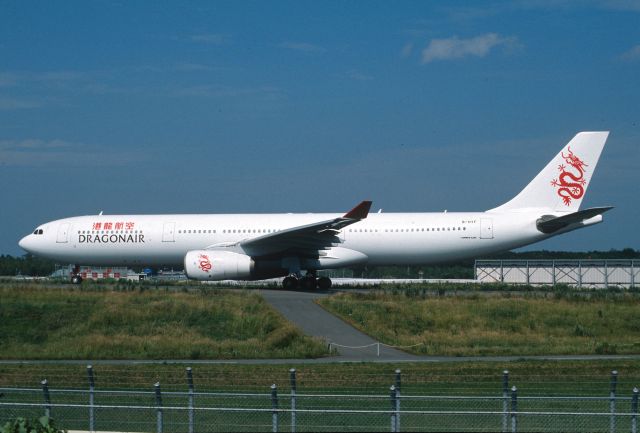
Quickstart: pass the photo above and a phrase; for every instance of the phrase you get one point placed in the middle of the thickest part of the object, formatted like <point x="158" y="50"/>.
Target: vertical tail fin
<point x="562" y="184"/>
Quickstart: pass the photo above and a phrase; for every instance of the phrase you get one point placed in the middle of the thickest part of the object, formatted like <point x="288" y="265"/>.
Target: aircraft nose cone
<point x="24" y="243"/>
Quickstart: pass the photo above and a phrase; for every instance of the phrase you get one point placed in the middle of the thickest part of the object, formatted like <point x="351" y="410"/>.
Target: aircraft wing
<point x="551" y="224"/>
<point x="306" y="239"/>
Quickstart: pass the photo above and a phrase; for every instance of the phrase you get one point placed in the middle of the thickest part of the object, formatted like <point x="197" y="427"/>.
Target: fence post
<point x="47" y="398"/>
<point x="634" y="411"/>
<point x="505" y="401"/>
<point x="612" y="401"/>
<point x="191" y="400"/>
<point x="274" y="406"/>
<point x="393" y="407"/>
<point x="158" y="408"/>
<point x="398" y="388"/>
<point x="292" y="379"/>
<point x="92" y="386"/>
<point x="580" y="274"/>
<point x="514" y="409"/>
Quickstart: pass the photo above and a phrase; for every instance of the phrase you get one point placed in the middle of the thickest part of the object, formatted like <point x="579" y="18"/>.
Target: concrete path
<point x="300" y="308"/>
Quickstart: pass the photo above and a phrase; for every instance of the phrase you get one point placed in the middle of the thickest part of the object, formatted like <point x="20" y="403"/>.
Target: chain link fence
<point x="155" y="410"/>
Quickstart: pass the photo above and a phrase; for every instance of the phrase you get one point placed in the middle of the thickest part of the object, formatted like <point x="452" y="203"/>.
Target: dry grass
<point x="498" y="324"/>
<point x="41" y="323"/>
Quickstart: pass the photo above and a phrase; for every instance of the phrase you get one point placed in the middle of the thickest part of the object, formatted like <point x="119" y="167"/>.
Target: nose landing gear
<point x="75" y="275"/>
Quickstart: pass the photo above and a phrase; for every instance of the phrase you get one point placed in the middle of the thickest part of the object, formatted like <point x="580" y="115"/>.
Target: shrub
<point x="22" y="425"/>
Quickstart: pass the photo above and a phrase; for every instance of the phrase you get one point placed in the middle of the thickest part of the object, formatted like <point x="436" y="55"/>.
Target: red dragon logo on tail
<point x="570" y="184"/>
<point x="204" y="263"/>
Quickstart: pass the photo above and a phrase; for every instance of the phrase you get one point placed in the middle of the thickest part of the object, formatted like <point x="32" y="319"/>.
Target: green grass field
<point x="41" y="321"/>
<point x="467" y="324"/>
<point x="539" y="377"/>
<point x="98" y="322"/>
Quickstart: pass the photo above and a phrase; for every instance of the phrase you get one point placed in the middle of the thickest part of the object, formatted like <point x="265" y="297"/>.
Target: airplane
<point x="260" y="246"/>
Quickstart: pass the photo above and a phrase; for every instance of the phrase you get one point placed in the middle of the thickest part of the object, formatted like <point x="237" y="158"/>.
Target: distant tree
<point x="36" y="266"/>
<point x="25" y="265"/>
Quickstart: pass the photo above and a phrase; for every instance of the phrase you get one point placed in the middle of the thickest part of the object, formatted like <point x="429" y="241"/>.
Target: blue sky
<point x="308" y="106"/>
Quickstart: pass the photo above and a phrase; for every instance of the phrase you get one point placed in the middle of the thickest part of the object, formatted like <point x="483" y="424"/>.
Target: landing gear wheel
<point x="76" y="279"/>
<point x="309" y="283"/>
<point x="324" y="283"/>
<point x="290" y="283"/>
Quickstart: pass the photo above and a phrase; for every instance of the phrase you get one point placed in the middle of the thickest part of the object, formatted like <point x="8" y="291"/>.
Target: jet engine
<point x="206" y="265"/>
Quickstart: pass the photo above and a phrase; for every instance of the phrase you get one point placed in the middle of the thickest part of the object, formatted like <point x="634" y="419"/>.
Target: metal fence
<point x="155" y="410"/>
<point x="579" y="273"/>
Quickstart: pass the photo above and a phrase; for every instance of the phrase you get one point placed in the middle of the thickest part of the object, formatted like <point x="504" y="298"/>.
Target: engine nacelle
<point x="206" y="265"/>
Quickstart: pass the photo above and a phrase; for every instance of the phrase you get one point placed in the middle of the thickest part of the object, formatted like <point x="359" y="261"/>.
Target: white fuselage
<point x="385" y="238"/>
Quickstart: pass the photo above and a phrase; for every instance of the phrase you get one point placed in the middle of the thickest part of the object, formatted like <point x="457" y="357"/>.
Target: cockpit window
<point x="38" y="232"/>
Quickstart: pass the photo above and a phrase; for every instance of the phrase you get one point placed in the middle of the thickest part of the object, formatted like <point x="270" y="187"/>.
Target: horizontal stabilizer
<point x="551" y="224"/>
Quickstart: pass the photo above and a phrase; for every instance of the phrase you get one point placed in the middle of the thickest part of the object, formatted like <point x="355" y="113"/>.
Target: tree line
<point x="35" y="266"/>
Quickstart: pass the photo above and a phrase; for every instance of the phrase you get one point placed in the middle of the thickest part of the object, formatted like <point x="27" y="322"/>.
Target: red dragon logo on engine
<point x="570" y="184"/>
<point x="204" y="263"/>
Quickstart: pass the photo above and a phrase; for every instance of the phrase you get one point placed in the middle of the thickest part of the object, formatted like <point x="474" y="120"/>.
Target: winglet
<point x="359" y="212"/>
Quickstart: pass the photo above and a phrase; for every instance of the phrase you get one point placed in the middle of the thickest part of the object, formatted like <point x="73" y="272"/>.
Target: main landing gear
<point x="308" y="282"/>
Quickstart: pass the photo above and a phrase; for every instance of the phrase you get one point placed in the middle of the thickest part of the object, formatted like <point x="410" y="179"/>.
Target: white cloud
<point x="622" y="5"/>
<point x="9" y="104"/>
<point x="34" y="144"/>
<point x="407" y="50"/>
<point x="456" y="48"/>
<point x="8" y="79"/>
<point x="195" y="67"/>
<point x="303" y="47"/>
<point x="632" y="54"/>
<point x="358" y="76"/>
<point x="210" y="38"/>
<point x="33" y="152"/>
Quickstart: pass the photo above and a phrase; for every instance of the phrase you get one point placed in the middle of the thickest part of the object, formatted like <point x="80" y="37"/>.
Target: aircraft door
<point x="168" y="232"/>
<point x="63" y="233"/>
<point x="486" y="228"/>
